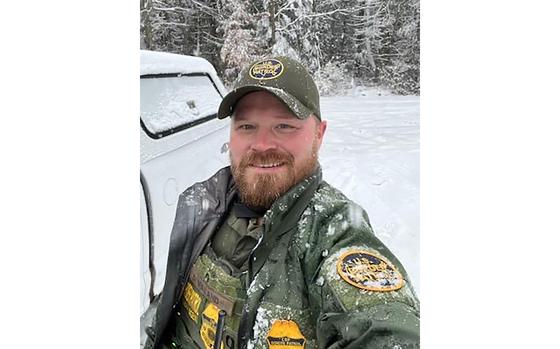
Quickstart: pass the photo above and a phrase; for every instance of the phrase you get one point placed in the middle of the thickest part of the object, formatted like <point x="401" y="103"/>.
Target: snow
<point x="371" y="153"/>
<point x="262" y="325"/>
<point x="152" y="62"/>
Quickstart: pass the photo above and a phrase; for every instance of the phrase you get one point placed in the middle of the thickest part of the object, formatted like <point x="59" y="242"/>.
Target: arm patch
<point x="361" y="277"/>
<point x="367" y="271"/>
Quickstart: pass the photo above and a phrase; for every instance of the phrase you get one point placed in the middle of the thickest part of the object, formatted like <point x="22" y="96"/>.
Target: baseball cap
<point x="282" y="76"/>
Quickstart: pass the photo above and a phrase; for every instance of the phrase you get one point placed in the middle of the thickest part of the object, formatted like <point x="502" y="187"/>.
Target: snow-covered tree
<point x="387" y="31"/>
<point x="404" y="72"/>
<point x="241" y="44"/>
<point x="363" y="41"/>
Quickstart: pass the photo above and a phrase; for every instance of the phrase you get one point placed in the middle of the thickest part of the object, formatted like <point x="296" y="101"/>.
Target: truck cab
<point x="181" y="142"/>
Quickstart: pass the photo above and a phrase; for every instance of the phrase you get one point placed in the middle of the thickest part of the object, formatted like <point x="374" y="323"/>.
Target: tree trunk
<point x="369" y="52"/>
<point x="272" y="22"/>
<point x="147" y="6"/>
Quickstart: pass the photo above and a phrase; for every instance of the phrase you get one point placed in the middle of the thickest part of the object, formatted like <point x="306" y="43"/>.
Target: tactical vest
<point x="217" y="282"/>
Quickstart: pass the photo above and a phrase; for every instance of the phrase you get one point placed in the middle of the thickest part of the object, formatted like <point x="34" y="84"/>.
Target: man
<point x="289" y="260"/>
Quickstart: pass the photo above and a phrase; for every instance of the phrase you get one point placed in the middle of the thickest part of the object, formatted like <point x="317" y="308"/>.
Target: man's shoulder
<point x="329" y="200"/>
<point x="213" y="190"/>
<point x="331" y="215"/>
<point x="221" y="178"/>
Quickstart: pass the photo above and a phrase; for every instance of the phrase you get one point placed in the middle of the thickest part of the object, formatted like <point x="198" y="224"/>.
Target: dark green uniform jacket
<point x="318" y="278"/>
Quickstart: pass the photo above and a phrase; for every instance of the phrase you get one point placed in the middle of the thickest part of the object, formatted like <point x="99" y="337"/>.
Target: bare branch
<point x="322" y="14"/>
<point x="282" y="9"/>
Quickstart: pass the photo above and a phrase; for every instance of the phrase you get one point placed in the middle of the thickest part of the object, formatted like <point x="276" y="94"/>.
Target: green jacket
<point x="318" y="278"/>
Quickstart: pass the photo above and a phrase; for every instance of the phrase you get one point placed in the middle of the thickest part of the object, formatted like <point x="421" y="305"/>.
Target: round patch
<point x="267" y="69"/>
<point x="369" y="272"/>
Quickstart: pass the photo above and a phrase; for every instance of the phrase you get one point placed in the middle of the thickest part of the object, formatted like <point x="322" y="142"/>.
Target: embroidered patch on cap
<point x="285" y="334"/>
<point x="369" y="272"/>
<point x="267" y="69"/>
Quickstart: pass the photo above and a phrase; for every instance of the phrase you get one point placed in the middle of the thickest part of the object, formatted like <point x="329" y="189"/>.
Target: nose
<point x="263" y="141"/>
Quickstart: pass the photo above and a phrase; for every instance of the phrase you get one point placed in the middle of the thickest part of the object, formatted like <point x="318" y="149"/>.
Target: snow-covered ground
<point x="371" y="153"/>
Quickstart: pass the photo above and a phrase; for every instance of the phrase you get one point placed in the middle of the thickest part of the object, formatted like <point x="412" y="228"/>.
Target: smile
<point x="267" y="165"/>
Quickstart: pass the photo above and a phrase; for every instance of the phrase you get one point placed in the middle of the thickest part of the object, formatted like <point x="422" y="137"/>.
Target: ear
<point x="321" y="128"/>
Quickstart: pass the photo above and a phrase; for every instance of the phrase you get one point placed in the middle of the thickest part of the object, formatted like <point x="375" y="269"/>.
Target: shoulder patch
<point x="266" y="69"/>
<point x="364" y="270"/>
<point x="285" y="334"/>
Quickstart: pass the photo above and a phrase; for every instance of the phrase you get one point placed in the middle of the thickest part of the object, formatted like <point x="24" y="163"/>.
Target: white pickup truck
<point x="181" y="142"/>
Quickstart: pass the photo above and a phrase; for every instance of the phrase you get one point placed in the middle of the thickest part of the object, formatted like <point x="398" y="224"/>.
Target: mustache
<point x="267" y="156"/>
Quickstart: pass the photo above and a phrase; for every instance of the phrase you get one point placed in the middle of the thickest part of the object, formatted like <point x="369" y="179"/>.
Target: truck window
<point x="170" y="103"/>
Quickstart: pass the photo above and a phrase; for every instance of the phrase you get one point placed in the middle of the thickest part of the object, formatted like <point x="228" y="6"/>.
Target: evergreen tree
<point x="404" y="71"/>
<point x="372" y="42"/>
<point x="241" y="43"/>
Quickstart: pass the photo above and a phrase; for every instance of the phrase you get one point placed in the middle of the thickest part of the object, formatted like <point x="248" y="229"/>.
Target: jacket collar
<point x="283" y="216"/>
<point x="287" y="210"/>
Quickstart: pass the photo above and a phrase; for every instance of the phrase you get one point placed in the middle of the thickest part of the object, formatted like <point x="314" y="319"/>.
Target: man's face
<point x="270" y="149"/>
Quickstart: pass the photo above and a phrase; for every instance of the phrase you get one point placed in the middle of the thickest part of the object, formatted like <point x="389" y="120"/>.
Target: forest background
<point x="344" y="43"/>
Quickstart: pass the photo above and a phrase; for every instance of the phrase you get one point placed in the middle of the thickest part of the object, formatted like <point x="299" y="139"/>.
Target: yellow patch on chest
<point x="285" y="334"/>
<point x="209" y="324"/>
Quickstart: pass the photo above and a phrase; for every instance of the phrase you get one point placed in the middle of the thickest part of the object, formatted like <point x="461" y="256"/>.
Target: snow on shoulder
<point x="329" y="200"/>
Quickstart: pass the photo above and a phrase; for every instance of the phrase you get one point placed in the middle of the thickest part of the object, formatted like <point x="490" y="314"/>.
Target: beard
<point x="261" y="190"/>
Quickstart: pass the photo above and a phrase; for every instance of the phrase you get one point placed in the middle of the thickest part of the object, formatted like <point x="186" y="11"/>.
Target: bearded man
<point x="265" y="254"/>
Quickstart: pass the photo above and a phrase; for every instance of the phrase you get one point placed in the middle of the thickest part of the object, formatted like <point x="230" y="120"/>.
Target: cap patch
<point x="285" y="334"/>
<point x="369" y="272"/>
<point x="266" y="69"/>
